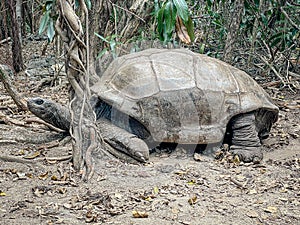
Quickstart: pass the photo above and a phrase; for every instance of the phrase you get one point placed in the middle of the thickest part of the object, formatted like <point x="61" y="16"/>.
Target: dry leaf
<point x="139" y="214"/>
<point x="252" y="191"/>
<point x="118" y="195"/>
<point x="182" y="31"/>
<point x="193" y="200"/>
<point x="2" y="193"/>
<point x="148" y="198"/>
<point x="29" y="175"/>
<point x="271" y="209"/>
<point x="252" y="214"/>
<point x="21" y="175"/>
<point x="32" y="156"/>
<point x="192" y="182"/>
<point x="180" y="172"/>
<point x="155" y="190"/>
<point x="54" y="177"/>
<point x="198" y="157"/>
<point x="236" y="159"/>
<point x="43" y="176"/>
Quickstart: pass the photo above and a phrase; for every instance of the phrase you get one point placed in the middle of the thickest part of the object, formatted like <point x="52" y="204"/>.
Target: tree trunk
<point x="233" y="30"/>
<point x="16" y="42"/>
<point x="19" y="18"/>
<point x="11" y="90"/>
<point x="254" y="32"/>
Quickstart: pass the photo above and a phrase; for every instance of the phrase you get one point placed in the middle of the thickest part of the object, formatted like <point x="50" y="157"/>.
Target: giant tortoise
<point x="174" y="96"/>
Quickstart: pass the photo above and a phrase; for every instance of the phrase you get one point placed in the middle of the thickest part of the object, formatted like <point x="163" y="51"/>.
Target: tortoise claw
<point x="247" y="154"/>
<point x="140" y="156"/>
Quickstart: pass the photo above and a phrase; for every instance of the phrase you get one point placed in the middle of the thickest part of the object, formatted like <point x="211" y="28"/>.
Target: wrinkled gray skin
<point x="245" y="138"/>
<point x="116" y="137"/>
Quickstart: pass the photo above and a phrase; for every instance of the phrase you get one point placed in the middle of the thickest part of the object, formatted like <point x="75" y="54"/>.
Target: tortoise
<point x="174" y="96"/>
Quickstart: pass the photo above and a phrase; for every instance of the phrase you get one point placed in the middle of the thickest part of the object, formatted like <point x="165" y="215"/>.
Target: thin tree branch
<point x="11" y="90"/>
<point x="289" y="19"/>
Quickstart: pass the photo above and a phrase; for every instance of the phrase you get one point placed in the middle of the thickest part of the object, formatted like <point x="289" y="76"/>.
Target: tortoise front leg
<point x="123" y="141"/>
<point x="245" y="140"/>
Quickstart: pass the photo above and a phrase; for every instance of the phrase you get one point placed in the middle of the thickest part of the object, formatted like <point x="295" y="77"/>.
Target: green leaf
<point x="156" y="7"/>
<point x="276" y="41"/>
<point x="170" y="17"/>
<point x="102" y="53"/>
<point x="50" y="30"/>
<point x="44" y="22"/>
<point x="160" y="22"/>
<point x="48" y="5"/>
<point x="101" y="37"/>
<point x="88" y="4"/>
<point x="190" y="28"/>
<point x="182" y="9"/>
<point x="209" y="3"/>
<point x="202" y="48"/>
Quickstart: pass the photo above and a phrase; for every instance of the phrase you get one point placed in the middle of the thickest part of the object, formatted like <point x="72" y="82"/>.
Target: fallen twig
<point x="6" y="158"/>
<point x="8" y="142"/>
<point x="4" y="77"/>
<point x="5" y="40"/>
<point x="271" y="84"/>
<point x="61" y="158"/>
<point x="239" y="184"/>
<point x="48" y="145"/>
<point x="289" y="19"/>
<point x="8" y="120"/>
<point x="35" y="120"/>
<point x="273" y="69"/>
<point x="126" y="10"/>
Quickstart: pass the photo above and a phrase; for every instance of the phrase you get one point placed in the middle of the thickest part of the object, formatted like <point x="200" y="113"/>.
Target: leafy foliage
<point x="50" y="16"/>
<point x="268" y="28"/>
<point x="111" y="42"/>
<point x="171" y="14"/>
<point x="47" y="21"/>
<point x="274" y="27"/>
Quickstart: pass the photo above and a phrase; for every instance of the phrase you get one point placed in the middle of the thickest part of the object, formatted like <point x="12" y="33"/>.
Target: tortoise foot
<point x="247" y="154"/>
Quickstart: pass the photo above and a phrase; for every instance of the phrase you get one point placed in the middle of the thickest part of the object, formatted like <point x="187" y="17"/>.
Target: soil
<point x="38" y="184"/>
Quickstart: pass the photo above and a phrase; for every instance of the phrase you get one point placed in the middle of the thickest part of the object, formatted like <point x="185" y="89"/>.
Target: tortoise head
<point x="50" y="111"/>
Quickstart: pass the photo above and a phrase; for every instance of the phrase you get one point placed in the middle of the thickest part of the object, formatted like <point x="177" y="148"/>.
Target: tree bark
<point x="16" y="42"/>
<point x="19" y="19"/>
<point x="233" y="30"/>
<point x="5" y="79"/>
<point x="255" y="31"/>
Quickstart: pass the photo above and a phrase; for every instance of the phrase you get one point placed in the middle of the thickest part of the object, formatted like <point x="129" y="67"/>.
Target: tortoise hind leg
<point x="245" y="140"/>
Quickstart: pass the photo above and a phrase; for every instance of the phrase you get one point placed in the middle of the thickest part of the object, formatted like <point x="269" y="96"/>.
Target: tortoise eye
<point x="39" y="101"/>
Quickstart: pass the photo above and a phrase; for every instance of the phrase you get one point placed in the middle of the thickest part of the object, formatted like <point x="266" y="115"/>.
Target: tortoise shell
<point x="180" y="96"/>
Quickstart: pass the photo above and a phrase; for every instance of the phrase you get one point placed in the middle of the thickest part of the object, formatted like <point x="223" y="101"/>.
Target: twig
<point x="239" y="184"/>
<point x="48" y="145"/>
<point x="5" y="40"/>
<point x="8" y="120"/>
<point x="4" y="77"/>
<point x="126" y="10"/>
<point x="294" y="74"/>
<point x="61" y="158"/>
<point x="289" y="19"/>
<point x="271" y="84"/>
<point x="6" y="158"/>
<point x="35" y="120"/>
<point x="272" y="68"/>
<point x="8" y="142"/>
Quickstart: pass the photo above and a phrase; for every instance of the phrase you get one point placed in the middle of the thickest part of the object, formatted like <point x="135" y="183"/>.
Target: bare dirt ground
<point x="39" y="186"/>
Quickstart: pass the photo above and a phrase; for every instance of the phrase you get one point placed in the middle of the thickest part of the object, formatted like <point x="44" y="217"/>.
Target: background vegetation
<point x="259" y="36"/>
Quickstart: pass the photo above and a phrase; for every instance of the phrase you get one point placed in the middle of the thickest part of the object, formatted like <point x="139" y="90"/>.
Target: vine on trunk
<point x="76" y="45"/>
